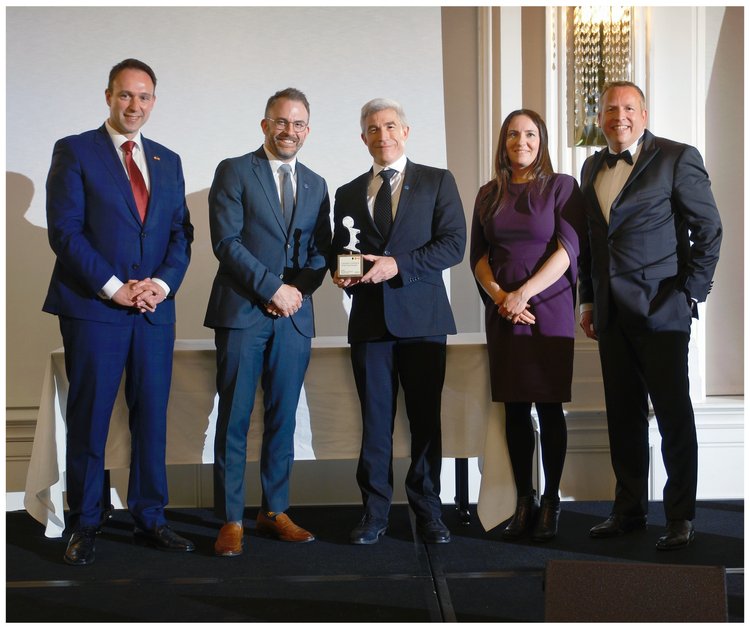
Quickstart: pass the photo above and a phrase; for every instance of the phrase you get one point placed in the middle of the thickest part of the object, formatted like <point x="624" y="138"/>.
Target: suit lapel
<point x="647" y="153"/>
<point x="361" y="185"/>
<point x="108" y="156"/>
<point x="588" y="185"/>
<point x="262" y="170"/>
<point x="303" y="189"/>
<point x="412" y="174"/>
<point x="152" y="163"/>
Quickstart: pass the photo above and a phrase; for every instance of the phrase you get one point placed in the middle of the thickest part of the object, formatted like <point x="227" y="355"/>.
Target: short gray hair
<point x="379" y="104"/>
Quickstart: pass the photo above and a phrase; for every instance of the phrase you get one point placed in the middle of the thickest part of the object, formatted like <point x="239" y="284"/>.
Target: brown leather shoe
<point x="281" y="527"/>
<point x="229" y="541"/>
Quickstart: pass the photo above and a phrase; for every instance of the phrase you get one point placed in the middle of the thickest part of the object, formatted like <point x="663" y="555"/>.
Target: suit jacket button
<point x="386" y="253"/>
<point x="135" y="266"/>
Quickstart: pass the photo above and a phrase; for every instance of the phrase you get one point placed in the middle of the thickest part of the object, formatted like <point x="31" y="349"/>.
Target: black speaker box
<point x="600" y="591"/>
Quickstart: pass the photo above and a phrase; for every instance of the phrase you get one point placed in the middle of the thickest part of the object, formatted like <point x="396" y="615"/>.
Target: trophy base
<point x="350" y="265"/>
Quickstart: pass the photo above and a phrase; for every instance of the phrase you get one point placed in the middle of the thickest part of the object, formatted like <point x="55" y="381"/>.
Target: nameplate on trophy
<point x="350" y="264"/>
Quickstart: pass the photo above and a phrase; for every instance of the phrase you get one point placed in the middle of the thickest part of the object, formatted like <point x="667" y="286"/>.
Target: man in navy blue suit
<point x="411" y="228"/>
<point x="270" y="229"/>
<point x="120" y="229"/>
<point x="654" y="233"/>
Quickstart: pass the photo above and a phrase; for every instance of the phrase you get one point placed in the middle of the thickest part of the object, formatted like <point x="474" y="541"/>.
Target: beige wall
<point x="460" y="85"/>
<point x="724" y="156"/>
<point x="210" y="103"/>
<point x="31" y="335"/>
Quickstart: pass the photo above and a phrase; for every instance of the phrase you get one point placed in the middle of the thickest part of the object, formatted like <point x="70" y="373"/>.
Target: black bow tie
<point x="612" y="158"/>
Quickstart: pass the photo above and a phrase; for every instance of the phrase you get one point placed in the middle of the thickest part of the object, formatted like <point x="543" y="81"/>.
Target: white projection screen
<point x="216" y="67"/>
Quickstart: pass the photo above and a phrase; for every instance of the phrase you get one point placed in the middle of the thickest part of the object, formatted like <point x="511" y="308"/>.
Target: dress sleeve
<point x="479" y="245"/>
<point x="569" y="220"/>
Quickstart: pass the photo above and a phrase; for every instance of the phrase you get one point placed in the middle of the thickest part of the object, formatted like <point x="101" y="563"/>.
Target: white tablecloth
<point x="328" y="422"/>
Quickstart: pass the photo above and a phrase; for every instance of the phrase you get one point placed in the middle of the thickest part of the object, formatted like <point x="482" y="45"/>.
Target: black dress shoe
<point x="617" y="524"/>
<point x="679" y="534"/>
<point x="368" y="531"/>
<point x="433" y="532"/>
<point x="163" y="538"/>
<point x="545" y="528"/>
<point x="523" y="518"/>
<point x="106" y="517"/>
<point x="80" y="551"/>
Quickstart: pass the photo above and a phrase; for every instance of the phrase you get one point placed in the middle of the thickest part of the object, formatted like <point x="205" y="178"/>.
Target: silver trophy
<point x="350" y="264"/>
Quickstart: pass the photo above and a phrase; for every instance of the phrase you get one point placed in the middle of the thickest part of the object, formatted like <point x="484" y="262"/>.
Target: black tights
<point x="553" y="435"/>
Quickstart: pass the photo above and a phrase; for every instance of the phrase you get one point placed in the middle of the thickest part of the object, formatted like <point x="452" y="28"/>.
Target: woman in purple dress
<point x="524" y="252"/>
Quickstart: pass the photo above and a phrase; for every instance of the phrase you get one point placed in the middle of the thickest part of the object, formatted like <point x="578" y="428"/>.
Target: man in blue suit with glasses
<point x="270" y="230"/>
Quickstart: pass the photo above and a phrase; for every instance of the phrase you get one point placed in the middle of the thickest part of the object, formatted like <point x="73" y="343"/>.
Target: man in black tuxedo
<point x="411" y="227"/>
<point x="654" y="233"/>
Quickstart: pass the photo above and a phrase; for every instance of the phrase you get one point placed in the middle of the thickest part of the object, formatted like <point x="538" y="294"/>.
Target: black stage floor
<point x="478" y="577"/>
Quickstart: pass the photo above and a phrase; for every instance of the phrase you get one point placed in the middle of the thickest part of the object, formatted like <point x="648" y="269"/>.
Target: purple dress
<point x="531" y="363"/>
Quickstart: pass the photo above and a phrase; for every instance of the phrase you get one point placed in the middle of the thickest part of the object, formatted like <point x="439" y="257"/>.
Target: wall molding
<point x="588" y="476"/>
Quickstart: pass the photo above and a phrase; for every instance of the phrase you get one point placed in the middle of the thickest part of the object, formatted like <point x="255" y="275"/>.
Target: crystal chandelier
<point x="601" y="49"/>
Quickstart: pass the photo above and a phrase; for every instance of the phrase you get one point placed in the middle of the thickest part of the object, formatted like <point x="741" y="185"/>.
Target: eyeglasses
<point x="282" y="123"/>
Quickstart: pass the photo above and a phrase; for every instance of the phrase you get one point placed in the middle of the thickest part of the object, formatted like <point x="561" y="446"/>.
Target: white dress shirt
<point x="275" y="164"/>
<point x="610" y="181"/>
<point x="138" y="156"/>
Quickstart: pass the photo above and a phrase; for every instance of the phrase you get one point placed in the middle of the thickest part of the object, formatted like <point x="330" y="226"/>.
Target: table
<point x="328" y="419"/>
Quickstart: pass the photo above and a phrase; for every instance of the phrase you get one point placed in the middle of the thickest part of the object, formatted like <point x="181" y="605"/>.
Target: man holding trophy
<point x="397" y="227"/>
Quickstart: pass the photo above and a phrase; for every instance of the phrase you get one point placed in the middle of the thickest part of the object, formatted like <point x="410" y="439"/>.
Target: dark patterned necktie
<point x="287" y="193"/>
<point x="383" y="208"/>
<point x="137" y="183"/>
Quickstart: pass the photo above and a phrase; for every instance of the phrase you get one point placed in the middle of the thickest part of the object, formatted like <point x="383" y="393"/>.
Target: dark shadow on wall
<point x="30" y="334"/>
<point x="192" y="297"/>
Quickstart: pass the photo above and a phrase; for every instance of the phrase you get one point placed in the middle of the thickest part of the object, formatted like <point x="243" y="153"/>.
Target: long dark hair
<point x="541" y="168"/>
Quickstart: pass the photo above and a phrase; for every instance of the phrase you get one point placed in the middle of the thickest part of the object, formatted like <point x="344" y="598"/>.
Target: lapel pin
<point x="157" y="158"/>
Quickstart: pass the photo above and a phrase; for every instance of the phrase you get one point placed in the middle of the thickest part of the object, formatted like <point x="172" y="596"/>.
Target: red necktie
<point x="136" y="179"/>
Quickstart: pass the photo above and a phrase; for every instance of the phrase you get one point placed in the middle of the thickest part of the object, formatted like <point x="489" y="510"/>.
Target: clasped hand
<point x="285" y="302"/>
<point x="143" y="295"/>
<point x="514" y="307"/>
